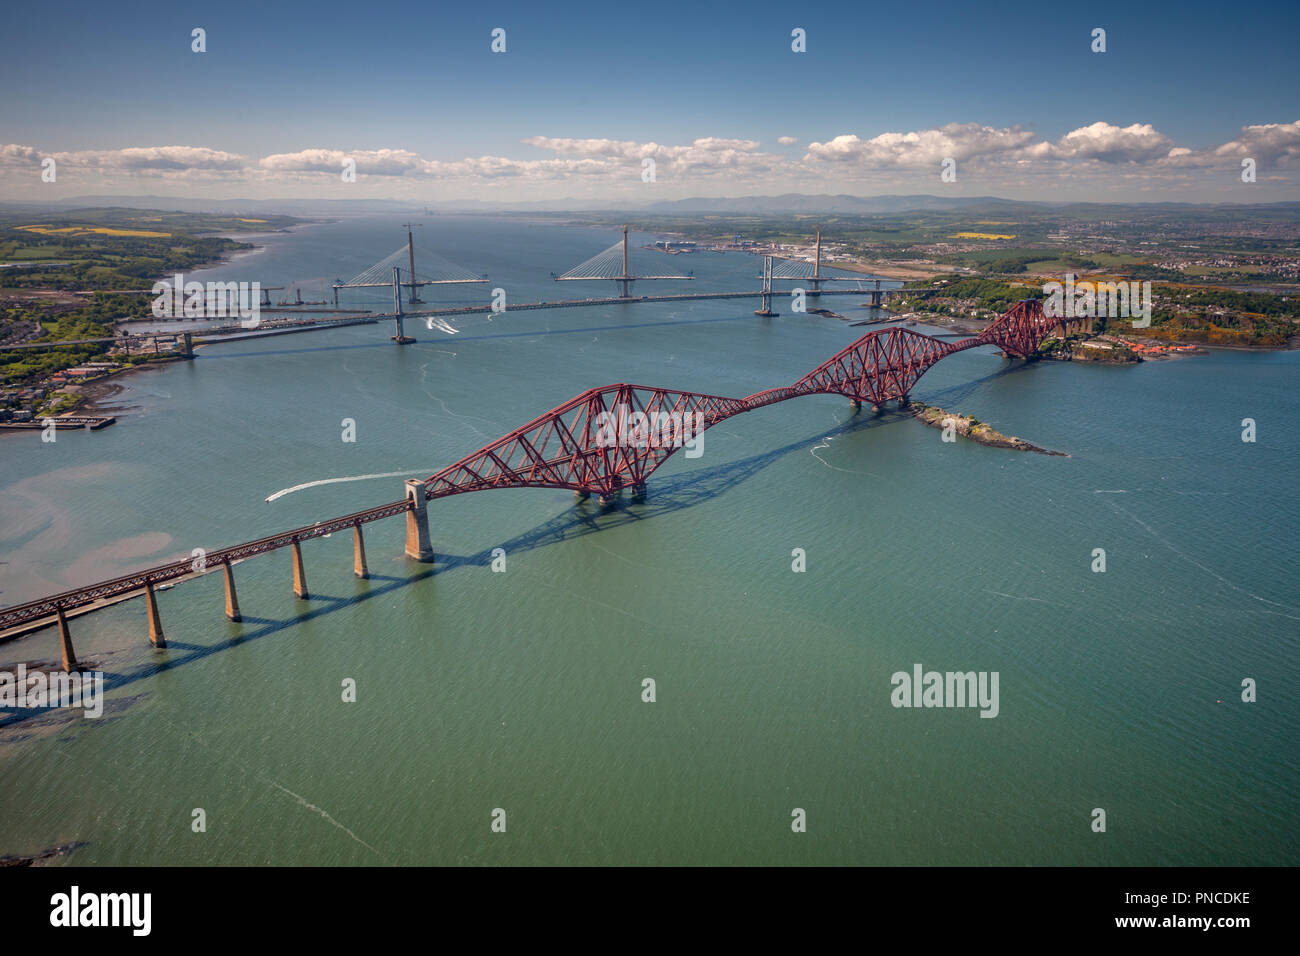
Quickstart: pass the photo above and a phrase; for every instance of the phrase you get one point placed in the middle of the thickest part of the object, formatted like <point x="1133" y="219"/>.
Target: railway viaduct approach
<point x="568" y="447"/>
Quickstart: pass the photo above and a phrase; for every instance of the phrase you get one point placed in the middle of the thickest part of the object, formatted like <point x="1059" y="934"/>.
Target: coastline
<point x="96" y="397"/>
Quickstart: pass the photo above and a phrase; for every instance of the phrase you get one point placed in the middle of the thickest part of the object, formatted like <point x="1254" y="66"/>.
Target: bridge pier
<point x="155" y="622"/>
<point x="299" y="572"/>
<point x="855" y="405"/>
<point x="65" y="642"/>
<point x="875" y="409"/>
<point x="359" y="554"/>
<point x="582" y="495"/>
<point x="902" y="401"/>
<point x="232" y="598"/>
<point x="418" y="547"/>
<point x="639" y="491"/>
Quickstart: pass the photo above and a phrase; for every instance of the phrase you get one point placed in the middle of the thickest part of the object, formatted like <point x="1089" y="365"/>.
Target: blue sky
<point x="399" y="80"/>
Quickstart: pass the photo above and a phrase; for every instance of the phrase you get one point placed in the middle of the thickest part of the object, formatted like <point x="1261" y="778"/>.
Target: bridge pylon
<point x="399" y="335"/>
<point x="418" y="547"/>
<point x="613" y="264"/>
<point x="410" y="248"/>
<point x="766" y="309"/>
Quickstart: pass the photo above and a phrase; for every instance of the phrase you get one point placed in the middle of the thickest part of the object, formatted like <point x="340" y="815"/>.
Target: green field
<point x="119" y="248"/>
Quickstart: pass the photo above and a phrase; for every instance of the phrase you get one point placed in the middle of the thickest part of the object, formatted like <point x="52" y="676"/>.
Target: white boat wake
<point x="334" y="481"/>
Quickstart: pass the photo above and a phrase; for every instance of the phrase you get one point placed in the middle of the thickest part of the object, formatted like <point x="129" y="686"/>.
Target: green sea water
<point x="523" y="691"/>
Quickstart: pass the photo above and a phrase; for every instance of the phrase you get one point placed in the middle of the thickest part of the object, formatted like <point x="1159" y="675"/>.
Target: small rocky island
<point x="973" y="429"/>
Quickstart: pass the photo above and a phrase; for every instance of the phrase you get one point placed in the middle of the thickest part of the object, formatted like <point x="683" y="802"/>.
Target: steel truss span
<point x="600" y="442"/>
<point x="612" y="437"/>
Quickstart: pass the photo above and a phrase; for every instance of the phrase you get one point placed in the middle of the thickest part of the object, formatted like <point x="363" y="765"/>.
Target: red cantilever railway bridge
<point x="561" y="449"/>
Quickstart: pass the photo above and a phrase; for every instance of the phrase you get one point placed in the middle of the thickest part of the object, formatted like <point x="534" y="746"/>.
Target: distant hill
<point x="801" y="203"/>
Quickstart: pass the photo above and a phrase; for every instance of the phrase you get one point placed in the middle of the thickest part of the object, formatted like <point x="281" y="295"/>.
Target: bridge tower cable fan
<point x="611" y="264"/>
<point x="441" y="272"/>
<point x="811" y="272"/>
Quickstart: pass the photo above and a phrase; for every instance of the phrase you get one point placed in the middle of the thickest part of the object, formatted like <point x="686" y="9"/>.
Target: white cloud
<point x="960" y="141"/>
<point x="1138" y="143"/>
<point x="373" y="162"/>
<point x="701" y="155"/>
<point x="1274" y="144"/>
<point x="163" y="158"/>
<point x="787" y="140"/>
<point x="1097" y="157"/>
<point x="12" y="154"/>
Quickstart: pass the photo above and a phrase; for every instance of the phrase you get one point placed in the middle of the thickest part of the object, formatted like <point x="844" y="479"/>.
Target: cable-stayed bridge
<point x="435" y="270"/>
<point x="408" y="268"/>
<point x="611" y="264"/>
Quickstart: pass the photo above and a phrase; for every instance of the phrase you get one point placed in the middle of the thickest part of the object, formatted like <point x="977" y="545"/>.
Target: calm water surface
<point x="479" y="690"/>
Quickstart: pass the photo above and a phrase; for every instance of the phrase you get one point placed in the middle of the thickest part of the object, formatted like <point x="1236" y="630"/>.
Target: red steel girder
<point x="1021" y="329"/>
<point x="564" y="449"/>
<point x="599" y="441"/>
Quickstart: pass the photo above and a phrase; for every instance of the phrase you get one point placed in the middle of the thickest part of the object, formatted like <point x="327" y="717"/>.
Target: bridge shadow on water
<point x="667" y="494"/>
<point x="961" y="391"/>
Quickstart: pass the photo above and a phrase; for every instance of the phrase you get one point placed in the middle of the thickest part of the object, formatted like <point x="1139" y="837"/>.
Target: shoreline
<point x="94" y="397"/>
<point x="225" y="258"/>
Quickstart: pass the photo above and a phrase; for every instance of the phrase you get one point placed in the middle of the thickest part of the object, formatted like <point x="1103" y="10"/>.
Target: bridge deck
<point x="23" y="618"/>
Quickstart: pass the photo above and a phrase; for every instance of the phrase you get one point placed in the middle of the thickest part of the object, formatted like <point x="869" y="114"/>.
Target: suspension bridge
<point x="569" y="447"/>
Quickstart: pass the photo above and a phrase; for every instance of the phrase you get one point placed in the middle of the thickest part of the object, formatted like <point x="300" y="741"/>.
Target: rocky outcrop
<point x="973" y="429"/>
